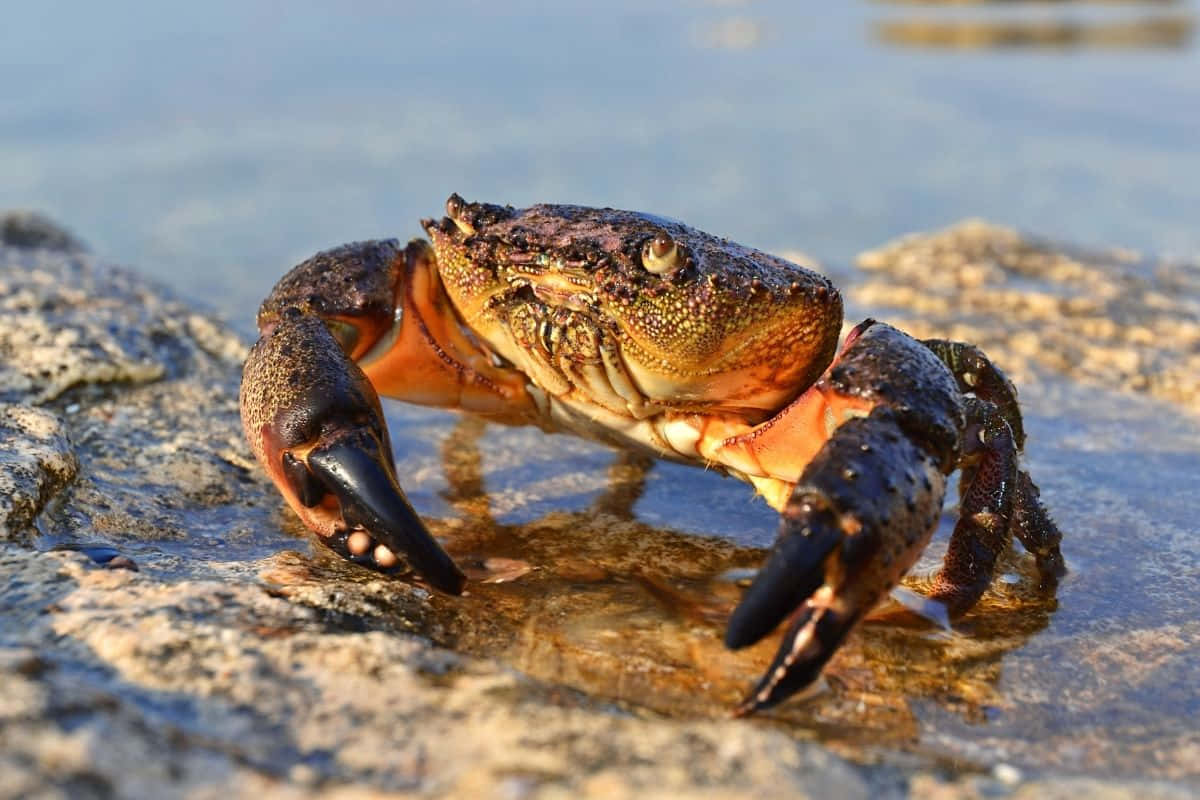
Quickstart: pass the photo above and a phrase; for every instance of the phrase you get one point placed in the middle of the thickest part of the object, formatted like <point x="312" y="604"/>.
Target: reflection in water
<point x="1157" y="31"/>
<point x="1175" y="32"/>
<point x="1028" y="2"/>
<point x="599" y="601"/>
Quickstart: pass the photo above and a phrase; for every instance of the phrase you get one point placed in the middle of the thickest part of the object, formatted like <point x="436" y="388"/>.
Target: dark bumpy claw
<point x="794" y="571"/>
<point x="861" y="515"/>
<point x="316" y="425"/>
<point x="865" y="506"/>
<point x="863" y="509"/>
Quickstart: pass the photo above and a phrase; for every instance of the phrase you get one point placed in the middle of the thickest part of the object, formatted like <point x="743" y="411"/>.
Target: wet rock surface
<point x="1113" y="318"/>
<point x="586" y="660"/>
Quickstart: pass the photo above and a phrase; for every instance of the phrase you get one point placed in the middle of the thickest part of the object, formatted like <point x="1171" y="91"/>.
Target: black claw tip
<point x="811" y="640"/>
<point x="370" y="498"/>
<point x="794" y="570"/>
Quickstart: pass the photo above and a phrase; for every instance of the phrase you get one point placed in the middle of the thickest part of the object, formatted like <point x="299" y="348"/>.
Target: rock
<point x="1109" y="318"/>
<point x="64" y="323"/>
<point x="31" y="230"/>
<point x="36" y="462"/>
<point x="238" y="661"/>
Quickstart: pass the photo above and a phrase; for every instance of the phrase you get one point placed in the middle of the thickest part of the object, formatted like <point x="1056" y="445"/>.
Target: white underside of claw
<point x="805" y="640"/>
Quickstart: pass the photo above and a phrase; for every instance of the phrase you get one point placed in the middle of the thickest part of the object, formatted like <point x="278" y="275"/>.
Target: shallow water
<point x="216" y="144"/>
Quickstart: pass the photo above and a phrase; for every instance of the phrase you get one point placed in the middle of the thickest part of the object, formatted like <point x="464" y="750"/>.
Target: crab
<point x="641" y="332"/>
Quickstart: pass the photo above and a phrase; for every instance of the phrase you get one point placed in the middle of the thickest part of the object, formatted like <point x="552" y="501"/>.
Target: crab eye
<point x="660" y="255"/>
<point x="455" y="206"/>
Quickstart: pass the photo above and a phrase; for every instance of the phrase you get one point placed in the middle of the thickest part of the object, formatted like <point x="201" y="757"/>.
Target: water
<point x="213" y="145"/>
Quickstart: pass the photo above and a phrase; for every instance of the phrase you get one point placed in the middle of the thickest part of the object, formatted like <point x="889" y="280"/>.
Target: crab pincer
<point x="866" y="505"/>
<point x="314" y="419"/>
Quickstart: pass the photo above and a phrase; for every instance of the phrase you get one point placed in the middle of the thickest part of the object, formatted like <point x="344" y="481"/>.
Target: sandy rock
<point x="65" y="323"/>
<point x="36" y="462"/>
<point x="1110" y="318"/>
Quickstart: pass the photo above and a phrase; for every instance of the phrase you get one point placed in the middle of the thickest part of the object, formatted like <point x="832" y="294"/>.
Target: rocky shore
<point x="167" y="631"/>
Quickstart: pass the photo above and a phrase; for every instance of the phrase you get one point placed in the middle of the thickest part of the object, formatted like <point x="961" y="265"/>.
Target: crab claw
<point x="315" y="423"/>
<point x="358" y="474"/>
<point x="860" y="516"/>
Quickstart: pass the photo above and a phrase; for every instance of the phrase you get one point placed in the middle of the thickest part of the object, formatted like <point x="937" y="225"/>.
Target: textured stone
<point x="1110" y="318"/>
<point x="36" y="461"/>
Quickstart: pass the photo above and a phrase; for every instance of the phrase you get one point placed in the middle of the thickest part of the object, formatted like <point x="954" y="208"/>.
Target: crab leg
<point x="978" y="376"/>
<point x="985" y="509"/>
<point x="1038" y="534"/>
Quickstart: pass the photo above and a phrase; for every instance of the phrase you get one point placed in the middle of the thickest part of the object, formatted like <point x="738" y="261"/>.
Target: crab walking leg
<point x="977" y="375"/>
<point x="985" y="509"/>
<point x="863" y="511"/>
<point x="316" y="426"/>
<point x="1038" y="534"/>
<point x="1030" y="522"/>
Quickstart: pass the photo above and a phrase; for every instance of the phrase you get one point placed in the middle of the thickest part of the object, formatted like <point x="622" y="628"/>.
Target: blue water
<point x="214" y="144"/>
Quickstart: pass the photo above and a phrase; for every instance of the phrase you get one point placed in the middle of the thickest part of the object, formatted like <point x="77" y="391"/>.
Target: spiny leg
<point x="1038" y="534"/>
<point x="976" y="374"/>
<point x="1030" y="523"/>
<point x="985" y="509"/>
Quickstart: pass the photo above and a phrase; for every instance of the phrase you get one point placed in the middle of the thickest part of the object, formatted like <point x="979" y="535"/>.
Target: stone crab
<point x="641" y="332"/>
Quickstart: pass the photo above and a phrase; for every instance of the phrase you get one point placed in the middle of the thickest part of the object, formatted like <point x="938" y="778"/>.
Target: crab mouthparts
<point x="559" y="291"/>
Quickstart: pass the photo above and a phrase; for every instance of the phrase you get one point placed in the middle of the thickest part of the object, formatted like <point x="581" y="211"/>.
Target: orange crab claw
<point x="315" y="423"/>
<point x="351" y="322"/>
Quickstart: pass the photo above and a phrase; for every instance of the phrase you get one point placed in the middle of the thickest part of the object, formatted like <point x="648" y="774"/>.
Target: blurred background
<point x="212" y="145"/>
